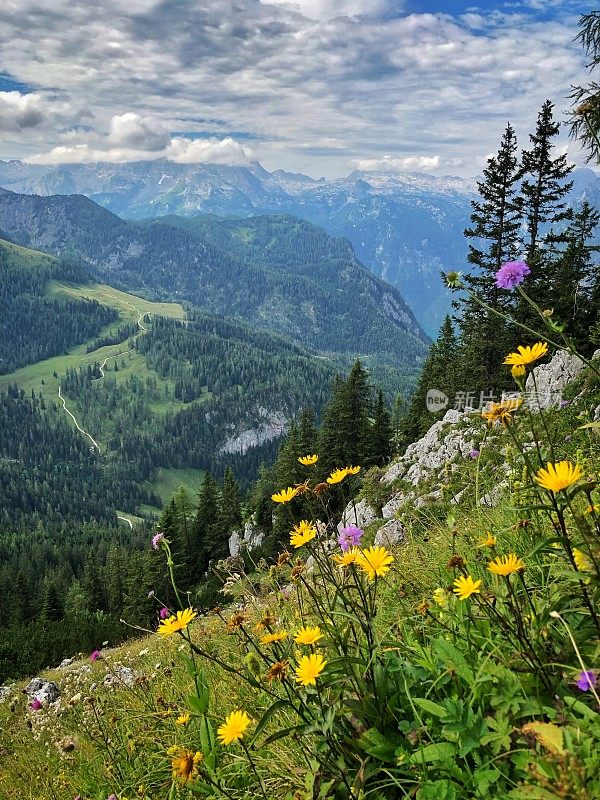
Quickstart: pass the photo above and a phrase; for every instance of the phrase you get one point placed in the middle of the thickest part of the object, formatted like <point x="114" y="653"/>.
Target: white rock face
<point x="44" y="691"/>
<point x="551" y="379"/>
<point x="360" y="514"/>
<point x="272" y="424"/>
<point x="390" y="534"/>
<point x="248" y="539"/>
<point x="6" y="691"/>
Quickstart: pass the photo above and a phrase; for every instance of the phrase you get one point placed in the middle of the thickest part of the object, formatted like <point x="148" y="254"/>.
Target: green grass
<point x="168" y="481"/>
<point x="23" y="256"/>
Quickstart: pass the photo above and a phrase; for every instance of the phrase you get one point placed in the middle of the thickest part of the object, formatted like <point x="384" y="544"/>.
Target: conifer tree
<point x="585" y="118"/>
<point x="307" y="432"/>
<point x="52" y="604"/>
<point x="381" y="433"/>
<point x="231" y="511"/>
<point x="209" y="542"/>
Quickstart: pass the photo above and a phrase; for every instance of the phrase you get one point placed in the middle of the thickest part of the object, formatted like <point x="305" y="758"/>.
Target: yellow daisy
<point x="465" y="587"/>
<point x="285" y="495"/>
<point x="582" y="561"/>
<point x="526" y="355"/>
<point x="177" y="622"/>
<point x="352" y="470"/>
<point x="558" y="476"/>
<point x="489" y="540"/>
<point x="309" y="668"/>
<point x="302" y="533"/>
<point x="234" y="727"/>
<point x="501" y="412"/>
<point x="183" y="719"/>
<point x="337" y="476"/>
<point x="184" y="764"/>
<point x="269" y="638"/>
<point x="308" y="461"/>
<point x="351" y="556"/>
<point x="518" y="371"/>
<point x="375" y="561"/>
<point x="506" y="565"/>
<point x="308" y="635"/>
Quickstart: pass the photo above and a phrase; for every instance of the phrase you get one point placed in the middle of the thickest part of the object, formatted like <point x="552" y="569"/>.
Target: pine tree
<point x="381" y="433"/>
<point x="585" y="117"/>
<point x="52" y="604"/>
<point x="209" y="541"/>
<point x="231" y="511"/>
<point x="307" y="432"/>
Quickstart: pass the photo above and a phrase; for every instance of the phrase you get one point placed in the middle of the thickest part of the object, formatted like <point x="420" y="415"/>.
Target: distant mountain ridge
<point x="276" y="271"/>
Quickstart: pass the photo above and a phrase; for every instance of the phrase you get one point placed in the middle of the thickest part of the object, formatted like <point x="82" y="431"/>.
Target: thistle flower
<point x="375" y="561"/>
<point x="285" y="495"/>
<point x="506" y="565"/>
<point x="308" y="461"/>
<point x="465" y="587"/>
<point x="511" y="274"/>
<point x="350" y="536"/>
<point x="95" y="655"/>
<point x="234" y="727"/>
<point x="302" y="533"/>
<point x="309" y="668"/>
<point x="177" y="622"/>
<point x="308" y="635"/>
<point x="157" y="539"/>
<point x="526" y="355"/>
<point x="474" y="454"/>
<point x="558" y="476"/>
<point x="164" y="613"/>
<point x="587" y="680"/>
<point x="35" y="705"/>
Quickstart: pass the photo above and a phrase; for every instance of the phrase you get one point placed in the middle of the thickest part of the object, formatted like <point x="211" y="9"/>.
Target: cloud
<point x="20" y="112"/>
<point x="213" y="151"/>
<point x="399" y="163"/>
<point x="130" y="130"/>
<point x="328" y="9"/>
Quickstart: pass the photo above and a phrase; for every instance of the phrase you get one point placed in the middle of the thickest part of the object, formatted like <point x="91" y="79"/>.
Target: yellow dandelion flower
<point x="351" y="556"/>
<point x="526" y="355"/>
<point x="308" y="635"/>
<point x="302" y="533"/>
<point x="375" y="561"/>
<point x="582" y="561"/>
<point x="465" y="587"/>
<point x="489" y="540"/>
<point x="558" y="476"/>
<point x="285" y="495"/>
<point x="176" y="622"/>
<point x="309" y="668"/>
<point x="183" y="719"/>
<point x="518" y="371"/>
<point x="184" y="764"/>
<point x="506" y="565"/>
<point x="352" y="470"/>
<point x="337" y="476"/>
<point x="501" y="412"/>
<point x="440" y="597"/>
<point x="308" y="461"/>
<point x="269" y="638"/>
<point x="234" y="727"/>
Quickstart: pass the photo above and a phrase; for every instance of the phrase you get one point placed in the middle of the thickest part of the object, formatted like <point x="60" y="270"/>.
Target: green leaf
<point x="207" y="737"/>
<point x="431" y="707"/>
<point x="273" y="709"/>
<point x="282" y="734"/>
<point x="437" y="790"/>
<point x="441" y="751"/>
<point x="379" y="746"/>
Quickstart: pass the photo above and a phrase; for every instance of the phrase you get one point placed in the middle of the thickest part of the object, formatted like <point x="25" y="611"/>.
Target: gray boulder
<point x="44" y="691"/>
<point x="546" y="382"/>
<point x="390" y="534"/>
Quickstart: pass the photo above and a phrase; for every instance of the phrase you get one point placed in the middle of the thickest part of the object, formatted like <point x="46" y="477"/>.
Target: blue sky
<point x="319" y="86"/>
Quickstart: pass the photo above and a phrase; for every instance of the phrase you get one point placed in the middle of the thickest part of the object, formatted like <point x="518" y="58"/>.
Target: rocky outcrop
<point x="390" y="534"/>
<point x="270" y="425"/>
<point x="545" y="384"/>
<point x="248" y="539"/>
<point x="45" y="692"/>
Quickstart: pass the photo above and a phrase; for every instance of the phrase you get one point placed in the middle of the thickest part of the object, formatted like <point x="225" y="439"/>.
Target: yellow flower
<point x="526" y="355"/>
<point x="558" y="476"/>
<point x="285" y="495"/>
<point x="465" y="587"/>
<point x="351" y="556"/>
<point x="308" y="461"/>
<point x="488" y="541"/>
<point x="518" y="370"/>
<point x="506" y="565"/>
<point x="501" y="412"/>
<point x="184" y="764"/>
<point x="352" y="470"/>
<point x="337" y="476"/>
<point x="309" y="668"/>
<point x="302" y="533"/>
<point x="308" y="635"/>
<point x="582" y="562"/>
<point x="375" y="561"/>
<point x="269" y="638"/>
<point x="178" y="622"/>
<point x="234" y="727"/>
<point x="593" y="509"/>
<point x="183" y="719"/>
<point x="440" y="597"/>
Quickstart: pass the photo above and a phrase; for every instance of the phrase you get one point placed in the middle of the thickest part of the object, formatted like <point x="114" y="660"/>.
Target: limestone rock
<point x="390" y="534"/>
<point x="5" y="692"/>
<point x="360" y="514"/>
<point x="66" y="662"/>
<point x="45" y="691"/>
<point x="248" y="539"/>
<point x="394" y="471"/>
<point x="120" y="676"/>
<point x="551" y="379"/>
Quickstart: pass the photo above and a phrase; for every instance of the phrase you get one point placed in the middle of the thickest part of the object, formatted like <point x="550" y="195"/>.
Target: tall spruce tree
<point x="381" y="433"/>
<point x="494" y="239"/>
<point x="585" y="117"/>
<point x="231" y="510"/>
<point x="209" y="541"/>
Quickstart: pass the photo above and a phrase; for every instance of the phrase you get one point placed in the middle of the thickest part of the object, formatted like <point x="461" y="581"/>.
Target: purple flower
<point x="474" y="453"/>
<point x="511" y="274"/>
<point x="350" y="536"/>
<point x="564" y="403"/>
<point x="586" y="680"/>
<point x="35" y="705"/>
<point x="112" y="797"/>
<point x="164" y="613"/>
<point x="95" y="655"/>
<point x="157" y="539"/>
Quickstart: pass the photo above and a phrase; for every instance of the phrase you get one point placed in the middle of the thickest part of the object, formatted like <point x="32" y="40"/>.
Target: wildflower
<point x="337" y="476"/>
<point x="452" y="279"/>
<point x="302" y="488"/>
<point x="350" y="536"/>
<point x="488" y="541"/>
<point x="352" y="470"/>
<point x="183" y="719"/>
<point x="351" y="556"/>
<point x="473" y="453"/>
<point x="440" y="597"/>
<point x="506" y="565"/>
<point x="177" y="622"/>
<point x="511" y="274"/>
<point x="526" y="355"/>
<point x="308" y="635"/>
<point x="518" y="370"/>
<point x="456" y="562"/>
<point x="586" y="680"/>
<point x="269" y="638"/>
<point x="321" y="488"/>
<point x="184" y="764"/>
<point x="308" y="461"/>
<point x="164" y="613"/>
<point x="236" y="621"/>
<point x="266" y="622"/>
<point x="582" y="562"/>
<point x="558" y="476"/>
<point x="234" y="727"/>
<point x="285" y="495"/>
<point x="375" y="561"/>
<point x="283" y="558"/>
<point x="157" y="539"/>
<point x="465" y="587"/>
<point x="35" y="705"/>
<point x="593" y="509"/>
<point x="309" y="668"/>
<point x="95" y="655"/>
<point x="302" y="533"/>
<point x="278" y="671"/>
<point x="423" y="607"/>
<point x="297" y="570"/>
<point x="501" y="412"/>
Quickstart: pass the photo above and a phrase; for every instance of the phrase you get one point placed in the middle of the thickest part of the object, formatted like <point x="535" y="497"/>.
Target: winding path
<point x="79" y="428"/>
<point x="128" y="521"/>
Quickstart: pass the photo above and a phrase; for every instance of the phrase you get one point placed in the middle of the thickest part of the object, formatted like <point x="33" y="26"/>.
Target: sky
<point x="321" y="87"/>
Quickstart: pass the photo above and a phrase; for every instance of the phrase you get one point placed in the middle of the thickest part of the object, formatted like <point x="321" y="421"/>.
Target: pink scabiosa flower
<point x="157" y="539"/>
<point x="511" y="274"/>
<point x="473" y="454"/>
<point x="586" y="680"/>
<point x="164" y="613"/>
<point x="35" y="705"/>
<point x="350" y="536"/>
<point x="95" y="655"/>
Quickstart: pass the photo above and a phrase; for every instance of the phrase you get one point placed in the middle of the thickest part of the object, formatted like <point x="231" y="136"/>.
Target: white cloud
<point x="130" y="130"/>
<point x="20" y="112"/>
<point x="328" y="9"/>
<point x="213" y="151"/>
<point x="399" y="163"/>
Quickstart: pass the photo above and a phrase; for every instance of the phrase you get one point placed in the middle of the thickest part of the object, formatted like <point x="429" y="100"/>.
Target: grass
<point x="168" y="481"/>
<point x="23" y="256"/>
